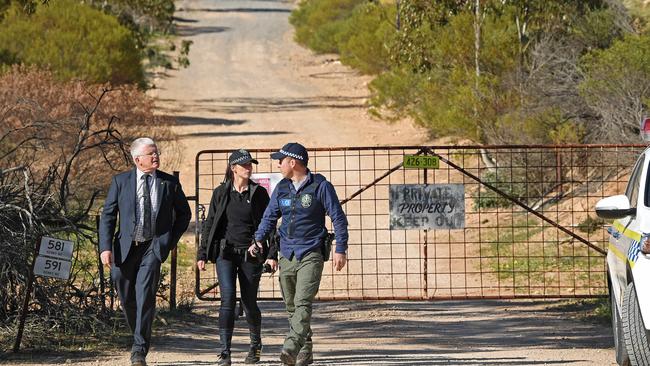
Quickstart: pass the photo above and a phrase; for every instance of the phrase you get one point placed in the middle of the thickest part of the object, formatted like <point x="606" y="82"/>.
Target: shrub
<point x="591" y="225"/>
<point x="617" y="87"/>
<point x="74" y="41"/>
<point x="318" y="23"/>
<point x="363" y="41"/>
<point x="491" y="199"/>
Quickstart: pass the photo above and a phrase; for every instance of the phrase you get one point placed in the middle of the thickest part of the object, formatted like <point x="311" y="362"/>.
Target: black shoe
<point x="254" y="354"/>
<point x="138" y="359"/>
<point x="304" y="358"/>
<point x="224" y="359"/>
<point x="287" y="358"/>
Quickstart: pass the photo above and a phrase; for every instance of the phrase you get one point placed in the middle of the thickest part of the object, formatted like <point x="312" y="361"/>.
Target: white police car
<point x="628" y="267"/>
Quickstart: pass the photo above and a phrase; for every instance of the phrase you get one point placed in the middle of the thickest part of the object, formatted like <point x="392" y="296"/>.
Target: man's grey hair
<point x="138" y="144"/>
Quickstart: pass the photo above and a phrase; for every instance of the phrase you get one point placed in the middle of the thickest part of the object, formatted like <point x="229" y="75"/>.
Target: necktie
<point x="146" y="214"/>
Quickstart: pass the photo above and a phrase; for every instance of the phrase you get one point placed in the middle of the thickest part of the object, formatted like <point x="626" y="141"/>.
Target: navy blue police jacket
<point x="303" y="216"/>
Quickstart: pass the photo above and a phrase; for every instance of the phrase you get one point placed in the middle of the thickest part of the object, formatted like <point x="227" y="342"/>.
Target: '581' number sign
<point x="56" y="248"/>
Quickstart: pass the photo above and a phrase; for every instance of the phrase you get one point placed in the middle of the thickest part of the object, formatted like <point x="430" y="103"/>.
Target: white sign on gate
<point x="57" y="248"/>
<point x="52" y="267"/>
<point x="267" y="180"/>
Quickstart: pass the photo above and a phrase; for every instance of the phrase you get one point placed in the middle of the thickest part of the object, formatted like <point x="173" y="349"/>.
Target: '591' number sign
<point x="52" y="267"/>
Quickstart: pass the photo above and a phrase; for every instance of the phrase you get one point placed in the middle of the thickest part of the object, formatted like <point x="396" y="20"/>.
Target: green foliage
<point x="597" y="29"/>
<point x="147" y="20"/>
<point x="4" y="5"/>
<point x="488" y="198"/>
<point x="318" y="23"/>
<point x="547" y="126"/>
<point x="74" y="41"/>
<point x="392" y="93"/>
<point x="617" y="86"/>
<point x="590" y="224"/>
<point x="362" y="40"/>
<point x="183" y="59"/>
<point x="522" y="71"/>
<point x="440" y="82"/>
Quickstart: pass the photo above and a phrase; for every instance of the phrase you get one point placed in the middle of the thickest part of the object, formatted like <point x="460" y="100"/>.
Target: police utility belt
<point x="228" y="248"/>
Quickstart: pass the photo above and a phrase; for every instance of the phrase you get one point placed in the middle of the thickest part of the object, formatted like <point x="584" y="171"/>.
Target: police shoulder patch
<point x="305" y="200"/>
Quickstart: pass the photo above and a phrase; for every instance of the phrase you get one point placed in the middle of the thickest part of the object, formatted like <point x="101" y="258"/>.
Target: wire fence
<point x="523" y="222"/>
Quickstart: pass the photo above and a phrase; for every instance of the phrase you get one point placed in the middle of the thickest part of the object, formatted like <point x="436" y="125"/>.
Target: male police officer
<point x="302" y="199"/>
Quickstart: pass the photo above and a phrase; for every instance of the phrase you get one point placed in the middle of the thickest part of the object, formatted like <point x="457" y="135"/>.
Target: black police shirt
<point x="240" y="228"/>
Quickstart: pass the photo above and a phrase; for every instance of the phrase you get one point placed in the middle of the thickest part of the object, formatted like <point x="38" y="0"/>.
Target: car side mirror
<point x="614" y="207"/>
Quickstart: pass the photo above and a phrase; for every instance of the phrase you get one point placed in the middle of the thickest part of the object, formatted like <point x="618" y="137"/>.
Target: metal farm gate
<point x="529" y="227"/>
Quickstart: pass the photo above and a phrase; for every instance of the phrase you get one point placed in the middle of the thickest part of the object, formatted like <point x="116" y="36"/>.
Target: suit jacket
<point x="171" y="222"/>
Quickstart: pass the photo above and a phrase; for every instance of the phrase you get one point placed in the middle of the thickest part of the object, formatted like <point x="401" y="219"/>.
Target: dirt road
<point x="467" y="333"/>
<point x="250" y="86"/>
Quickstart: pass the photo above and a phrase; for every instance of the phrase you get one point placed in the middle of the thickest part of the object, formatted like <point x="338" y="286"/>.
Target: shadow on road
<point x="236" y="10"/>
<point x="265" y="105"/>
<point x="490" y="332"/>
<point x="189" y="120"/>
<point x="188" y="31"/>
<point x="241" y="133"/>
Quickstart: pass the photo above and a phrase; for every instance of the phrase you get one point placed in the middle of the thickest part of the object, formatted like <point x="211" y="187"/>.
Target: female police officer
<point x="236" y="209"/>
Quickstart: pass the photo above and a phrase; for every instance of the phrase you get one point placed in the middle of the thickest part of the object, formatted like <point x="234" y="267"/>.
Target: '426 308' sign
<point x="421" y="162"/>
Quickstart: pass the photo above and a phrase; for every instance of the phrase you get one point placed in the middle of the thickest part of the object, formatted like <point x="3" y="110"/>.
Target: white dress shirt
<point x="139" y="219"/>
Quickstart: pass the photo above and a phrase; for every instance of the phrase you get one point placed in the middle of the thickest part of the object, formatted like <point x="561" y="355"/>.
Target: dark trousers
<point x="231" y="266"/>
<point x="136" y="281"/>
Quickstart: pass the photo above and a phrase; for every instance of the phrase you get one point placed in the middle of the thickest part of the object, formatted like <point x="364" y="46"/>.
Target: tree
<point x="617" y="86"/>
<point x="74" y="41"/>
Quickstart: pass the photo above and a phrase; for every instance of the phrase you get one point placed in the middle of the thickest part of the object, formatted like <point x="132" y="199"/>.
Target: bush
<point x="319" y="23"/>
<point x="74" y="41"/>
<point x="363" y="40"/>
<point x="393" y="92"/>
<point x="491" y="199"/>
<point x="617" y="87"/>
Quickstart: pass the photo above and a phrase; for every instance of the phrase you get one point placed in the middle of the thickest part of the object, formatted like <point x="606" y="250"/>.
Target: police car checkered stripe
<point x="241" y="159"/>
<point x="633" y="252"/>
<point x="295" y="156"/>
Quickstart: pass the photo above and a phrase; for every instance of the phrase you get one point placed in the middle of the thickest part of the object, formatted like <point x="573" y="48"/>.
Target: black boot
<point x="224" y="359"/>
<point x="225" y="337"/>
<point x="255" y="351"/>
<point x="254" y="354"/>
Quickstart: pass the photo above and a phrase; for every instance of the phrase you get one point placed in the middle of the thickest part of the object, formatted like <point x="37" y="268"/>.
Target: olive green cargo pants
<point x="299" y="282"/>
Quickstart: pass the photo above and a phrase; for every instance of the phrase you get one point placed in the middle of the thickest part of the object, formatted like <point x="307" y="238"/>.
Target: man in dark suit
<point x="153" y="214"/>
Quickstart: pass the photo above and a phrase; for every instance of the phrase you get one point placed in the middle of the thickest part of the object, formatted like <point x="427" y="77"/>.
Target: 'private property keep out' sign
<point x="430" y="206"/>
